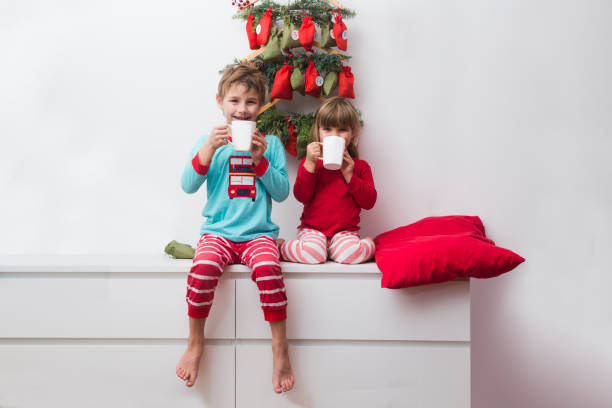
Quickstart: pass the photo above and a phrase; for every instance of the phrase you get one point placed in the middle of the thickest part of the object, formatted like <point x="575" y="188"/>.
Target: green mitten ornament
<point x="297" y="80"/>
<point x="327" y="35"/>
<point x="273" y="47"/>
<point x="179" y="251"/>
<point x="290" y="36"/>
<point x="330" y="83"/>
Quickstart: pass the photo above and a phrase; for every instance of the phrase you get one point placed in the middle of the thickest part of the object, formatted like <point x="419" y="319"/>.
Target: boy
<point x="238" y="229"/>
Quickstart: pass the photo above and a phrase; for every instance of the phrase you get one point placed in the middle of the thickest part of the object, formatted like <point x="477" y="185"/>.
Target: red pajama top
<point x="332" y="205"/>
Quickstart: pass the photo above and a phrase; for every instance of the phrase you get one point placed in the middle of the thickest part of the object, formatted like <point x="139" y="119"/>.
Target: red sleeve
<point x="261" y="168"/>
<point x="361" y="185"/>
<point x="305" y="183"/>
<point x="195" y="162"/>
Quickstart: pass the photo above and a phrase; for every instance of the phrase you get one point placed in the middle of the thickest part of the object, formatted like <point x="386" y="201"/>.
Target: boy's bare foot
<point x="282" y="376"/>
<point x="280" y="242"/>
<point x="188" y="366"/>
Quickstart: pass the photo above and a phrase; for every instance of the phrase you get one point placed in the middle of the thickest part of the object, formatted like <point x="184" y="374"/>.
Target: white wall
<point x="499" y="109"/>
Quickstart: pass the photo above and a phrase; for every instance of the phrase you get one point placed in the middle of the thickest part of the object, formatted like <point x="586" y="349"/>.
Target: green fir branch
<point x="319" y="10"/>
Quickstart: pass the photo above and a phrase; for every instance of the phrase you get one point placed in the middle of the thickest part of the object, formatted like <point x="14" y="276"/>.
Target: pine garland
<point x="319" y="10"/>
<point x="273" y="122"/>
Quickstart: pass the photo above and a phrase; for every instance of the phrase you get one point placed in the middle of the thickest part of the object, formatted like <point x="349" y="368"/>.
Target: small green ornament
<point x="273" y="48"/>
<point x="179" y="251"/>
<point x="290" y="37"/>
<point x="297" y="80"/>
<point x="330" y="83"/>
<point x="327" y="36"/>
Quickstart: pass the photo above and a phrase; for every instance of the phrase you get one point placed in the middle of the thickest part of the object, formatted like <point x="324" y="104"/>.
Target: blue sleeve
<point x="275" y="179"/>
<point x="191" y="180"/>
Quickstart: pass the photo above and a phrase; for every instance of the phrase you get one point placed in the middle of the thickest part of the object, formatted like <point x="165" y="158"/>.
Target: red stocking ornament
<point x="314" y="81"/>
<point x="281" y="88"/>
<point x="264" y="26"/>
<point x="291" y="145"/>
<point x="346" y="79"/>
<point x="340" y="32"/>
<point x="251" y="34"/>
<point x="306" y="32"/>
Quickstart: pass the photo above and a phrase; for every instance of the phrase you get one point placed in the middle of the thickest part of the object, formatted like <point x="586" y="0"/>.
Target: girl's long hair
<point x="337" y="112"/>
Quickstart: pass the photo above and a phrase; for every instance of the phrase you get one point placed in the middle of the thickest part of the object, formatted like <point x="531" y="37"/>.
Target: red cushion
<point x="438" y="249"/>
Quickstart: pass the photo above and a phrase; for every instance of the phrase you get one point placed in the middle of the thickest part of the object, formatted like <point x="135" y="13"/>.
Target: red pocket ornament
<point x="251" y="34"/>
<point x="264" y="26"/>
<point x="291" y="145"/>
<point x="306" y="32"/>
<point x="281" y="88"/>
<point x="340" y="33"/>
<point x="314" y="81"/>
<point x="346" y="79"/>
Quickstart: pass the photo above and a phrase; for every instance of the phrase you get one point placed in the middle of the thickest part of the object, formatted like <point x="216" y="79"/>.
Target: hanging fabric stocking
<point x="264" y="27"/>
<point x="306" y="32"/>
<point x="297" y="79"/>
<point x="313" y="80"/>
<point x="330" y="83"/>
<point x="251" y="34"/>
<point x="340" y="32"/>
<point x="281" y="88"/>
<point x="291" y="35"/>
<point x="273" y="48"/>
<point x="327" y="35"/>
<point x="345" y="83"/>
<point x="292" y="143"/>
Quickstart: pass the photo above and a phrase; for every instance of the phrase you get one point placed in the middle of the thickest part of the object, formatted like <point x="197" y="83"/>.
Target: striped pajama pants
<point x="312" y="247"/>
<point x="260" y="254"/>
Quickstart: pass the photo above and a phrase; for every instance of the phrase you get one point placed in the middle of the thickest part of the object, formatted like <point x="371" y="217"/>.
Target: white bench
<point x="109" y="330"/>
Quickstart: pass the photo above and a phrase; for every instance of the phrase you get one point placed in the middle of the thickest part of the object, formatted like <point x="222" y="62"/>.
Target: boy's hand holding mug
<point x="313" y="153"/>
<point x="259" y="145"/>
<point x="217" y="138"/>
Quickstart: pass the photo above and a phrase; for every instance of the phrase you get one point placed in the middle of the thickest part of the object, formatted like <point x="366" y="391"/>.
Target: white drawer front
<point x="116" y="375"/>
<point x="412" y="375"/>
<point x="352" y="308"/>
<point x="106" y="307"/>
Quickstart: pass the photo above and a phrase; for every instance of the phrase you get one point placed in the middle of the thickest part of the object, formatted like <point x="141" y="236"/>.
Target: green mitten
<point x="330" y="83"/>
<point x="290" y="36"/>
<point x="297" y="80"/>
<point x="179" y="251"/>
<point x="327" y="35"/>
<point x="273" y="48"/>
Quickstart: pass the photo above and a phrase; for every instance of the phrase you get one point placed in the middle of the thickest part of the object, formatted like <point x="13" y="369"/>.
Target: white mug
<point x="333" y="152"/>
<point x="242" y="134"/>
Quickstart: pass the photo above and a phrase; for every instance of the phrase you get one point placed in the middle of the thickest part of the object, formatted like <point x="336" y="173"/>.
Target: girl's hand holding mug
<point x="348" y="164"/>
<point x="313" y="153"/>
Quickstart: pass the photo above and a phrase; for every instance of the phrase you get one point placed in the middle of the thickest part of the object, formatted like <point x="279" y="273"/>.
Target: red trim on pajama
<point x="312" y="247"/>
<point x="260" y="254"/>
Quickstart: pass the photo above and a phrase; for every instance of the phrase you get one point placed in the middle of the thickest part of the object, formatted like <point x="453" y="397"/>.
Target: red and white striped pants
<point x="260" y="254"/>
<point x="312" y="247"/>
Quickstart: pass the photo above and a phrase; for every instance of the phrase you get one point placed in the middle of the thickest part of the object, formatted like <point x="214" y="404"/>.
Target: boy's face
<point x="239" y="104"/>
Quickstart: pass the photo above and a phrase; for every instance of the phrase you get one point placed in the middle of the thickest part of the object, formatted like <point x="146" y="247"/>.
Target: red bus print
<point x="241" y="177"/>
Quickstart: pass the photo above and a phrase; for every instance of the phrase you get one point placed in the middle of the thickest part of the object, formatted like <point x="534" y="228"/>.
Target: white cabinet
<point x="109" y="331"/>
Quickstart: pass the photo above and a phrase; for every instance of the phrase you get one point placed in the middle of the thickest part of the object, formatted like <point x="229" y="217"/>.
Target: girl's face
<point x="239" y="104"/>
<point x="344" y="132"/>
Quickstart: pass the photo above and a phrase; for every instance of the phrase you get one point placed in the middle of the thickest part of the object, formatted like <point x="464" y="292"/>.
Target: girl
<point x="332" y="199"/>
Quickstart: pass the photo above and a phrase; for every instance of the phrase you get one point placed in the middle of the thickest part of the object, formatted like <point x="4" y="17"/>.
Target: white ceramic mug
<point x="333" y="152"/>
<point x="242" y="134"/>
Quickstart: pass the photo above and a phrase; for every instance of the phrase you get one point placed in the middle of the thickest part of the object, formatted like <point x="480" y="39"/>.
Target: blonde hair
<point x="246" y="75"/>
<point x="337" y="112"/>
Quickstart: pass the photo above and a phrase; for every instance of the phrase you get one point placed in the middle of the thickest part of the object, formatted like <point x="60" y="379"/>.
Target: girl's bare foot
<point x="282" y="376"/>
<point x="187" y="368"/>
<point x="280" y="242"/>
